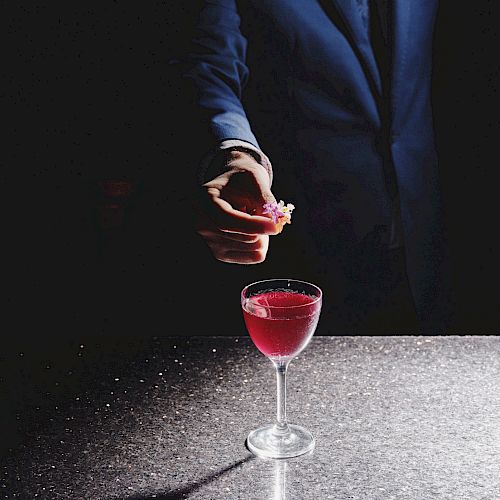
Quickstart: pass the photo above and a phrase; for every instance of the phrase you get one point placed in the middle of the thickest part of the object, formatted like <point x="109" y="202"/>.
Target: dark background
<point x="98" y="172"/>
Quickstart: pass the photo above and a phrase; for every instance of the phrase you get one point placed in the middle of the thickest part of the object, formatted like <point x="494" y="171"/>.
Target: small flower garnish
<point x="280" y="213"/>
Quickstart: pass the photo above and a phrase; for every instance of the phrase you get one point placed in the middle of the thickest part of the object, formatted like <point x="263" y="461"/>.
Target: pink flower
<point x="274" y="211"/>
<point x="278" y="210"/>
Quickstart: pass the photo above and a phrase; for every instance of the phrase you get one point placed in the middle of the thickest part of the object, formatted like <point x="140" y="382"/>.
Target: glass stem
<point x="281" y="426"/>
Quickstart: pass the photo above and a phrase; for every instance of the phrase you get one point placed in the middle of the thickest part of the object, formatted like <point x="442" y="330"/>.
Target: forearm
<point x="215" y="69"/>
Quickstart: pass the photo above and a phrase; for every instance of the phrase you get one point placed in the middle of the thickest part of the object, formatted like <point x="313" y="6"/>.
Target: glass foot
<point x="267" y="442"/>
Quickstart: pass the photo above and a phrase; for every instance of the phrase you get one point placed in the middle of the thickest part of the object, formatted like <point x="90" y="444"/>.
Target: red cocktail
<point x="281" y="316"/>
<point x="281" y="322"/>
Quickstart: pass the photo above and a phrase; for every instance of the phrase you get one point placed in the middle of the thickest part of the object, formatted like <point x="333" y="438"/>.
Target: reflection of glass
<point x="281" y="316"/>
<point x="280" y="480"/>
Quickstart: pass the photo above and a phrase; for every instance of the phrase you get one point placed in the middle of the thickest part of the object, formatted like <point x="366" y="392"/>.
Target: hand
<point x="230" y="220"/>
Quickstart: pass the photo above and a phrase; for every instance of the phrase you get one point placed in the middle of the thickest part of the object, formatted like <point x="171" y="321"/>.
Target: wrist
<point x="237" y="153"/>
<point x="250" y="149"/>
<point x="231" y="157"/>
<point x="235" y="160"/>
<point x="229" y="151"/>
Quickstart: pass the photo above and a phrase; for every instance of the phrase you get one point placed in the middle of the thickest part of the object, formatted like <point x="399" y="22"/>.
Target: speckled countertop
<point x="394" y="418"/>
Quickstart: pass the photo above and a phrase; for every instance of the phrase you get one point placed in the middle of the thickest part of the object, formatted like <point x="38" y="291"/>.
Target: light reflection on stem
<point x="281" y="426"/>
<point x="280" y="467"/>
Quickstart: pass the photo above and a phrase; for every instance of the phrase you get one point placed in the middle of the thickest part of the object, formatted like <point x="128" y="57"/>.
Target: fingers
<point x="212" y="233"/>
<point x="236" y="251"/>
<point x="231" y="216"/>
<point x="235" y="248"/>
<point x="246" y="191"/>
<point x="236" y="198"/>
<point x="266" y="197"/>
<point x="255" y="257"/>
<point x="229" y="219"/>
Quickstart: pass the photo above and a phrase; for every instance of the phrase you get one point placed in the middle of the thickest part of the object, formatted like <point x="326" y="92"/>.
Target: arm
<point x="239" y="183"/>
<point x="214" y="68"/>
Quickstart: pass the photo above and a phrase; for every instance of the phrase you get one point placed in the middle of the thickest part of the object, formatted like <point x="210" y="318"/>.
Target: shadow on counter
<point x="193" y="487"/>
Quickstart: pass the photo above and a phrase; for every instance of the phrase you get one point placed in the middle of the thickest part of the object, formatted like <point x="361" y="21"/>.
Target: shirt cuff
<point x="234" y="145"/>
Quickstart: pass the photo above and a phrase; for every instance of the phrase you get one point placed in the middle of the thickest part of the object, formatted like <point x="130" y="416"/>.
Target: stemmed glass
<point x="281" y="316"/>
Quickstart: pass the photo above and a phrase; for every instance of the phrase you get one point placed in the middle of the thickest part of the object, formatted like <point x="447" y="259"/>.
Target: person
<point x="329" y="103"/>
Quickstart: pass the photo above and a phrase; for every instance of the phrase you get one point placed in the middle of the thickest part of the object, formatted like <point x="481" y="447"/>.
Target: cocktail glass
<point x="281" y="316"/>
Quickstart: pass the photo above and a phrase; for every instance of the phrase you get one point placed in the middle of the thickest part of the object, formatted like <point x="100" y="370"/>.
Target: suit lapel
<point x="345" y="14"/>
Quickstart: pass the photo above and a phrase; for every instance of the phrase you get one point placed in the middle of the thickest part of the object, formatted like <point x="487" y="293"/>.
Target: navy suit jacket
<point x="298" y="78"/>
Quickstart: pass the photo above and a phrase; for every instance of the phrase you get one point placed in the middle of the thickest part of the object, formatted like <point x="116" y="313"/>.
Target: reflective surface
<point x="394" y="417"/>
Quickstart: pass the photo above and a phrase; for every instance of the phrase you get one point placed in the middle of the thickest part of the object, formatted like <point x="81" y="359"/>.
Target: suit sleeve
<point x="215" y="69"/>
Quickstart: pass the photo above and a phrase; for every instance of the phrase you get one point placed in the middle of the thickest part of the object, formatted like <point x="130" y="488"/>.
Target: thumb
<point x="266" y="196"/>
<point x="264" y="193"/>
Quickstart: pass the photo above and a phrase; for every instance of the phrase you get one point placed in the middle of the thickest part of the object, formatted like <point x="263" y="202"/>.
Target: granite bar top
<point x="137" y="419"/>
